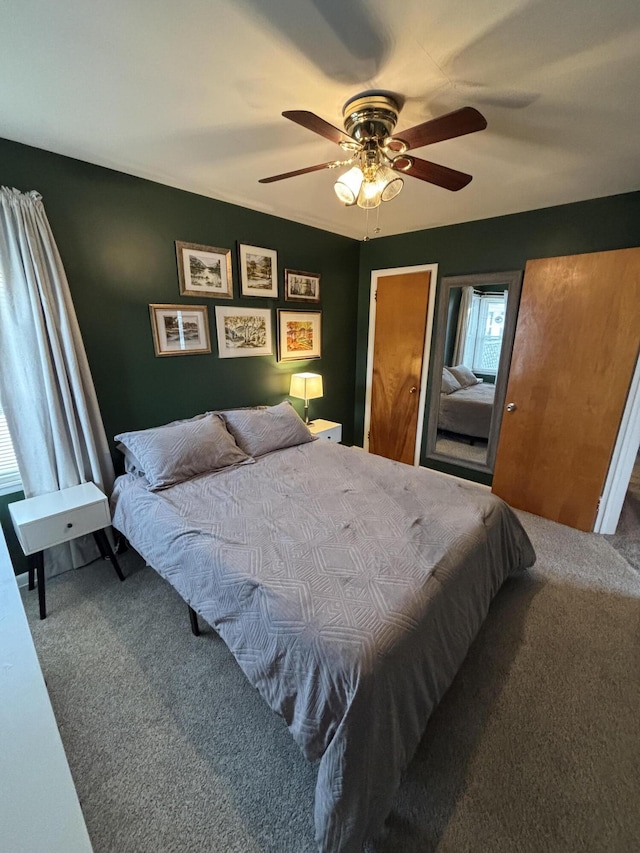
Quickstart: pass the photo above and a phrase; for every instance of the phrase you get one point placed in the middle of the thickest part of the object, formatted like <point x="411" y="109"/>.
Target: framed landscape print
<point x="180" y="329"/>
<point x="258" y="271"/>
<point x="301" y="286"/>
<point x="243" y="331"/>
<point x="299" y="334"/>
<point x="204" y="270"/>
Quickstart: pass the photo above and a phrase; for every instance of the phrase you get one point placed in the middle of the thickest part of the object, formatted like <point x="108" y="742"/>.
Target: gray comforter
<point x="468" y="411"/>
<point x="348" y="588"/>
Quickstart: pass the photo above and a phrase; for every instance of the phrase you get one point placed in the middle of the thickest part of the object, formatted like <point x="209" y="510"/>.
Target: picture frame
<point x="258" y="271"/>
<point x="204" y="270"/>
<point x="299" y="335"/>
<point x="243" y="331"/>
<point x="180" y="329"/>
<point x="301" y="286"/>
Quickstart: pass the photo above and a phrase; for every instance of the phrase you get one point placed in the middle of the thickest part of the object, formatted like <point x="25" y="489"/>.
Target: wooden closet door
<point x="574" y="354"/>
<point x="402" y="303"/>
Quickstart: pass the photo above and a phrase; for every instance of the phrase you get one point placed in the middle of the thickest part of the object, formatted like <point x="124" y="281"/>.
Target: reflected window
<point x="483" y="341"/>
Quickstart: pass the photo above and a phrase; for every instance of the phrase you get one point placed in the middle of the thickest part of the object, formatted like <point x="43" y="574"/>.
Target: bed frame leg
<point x="193" y="618"/>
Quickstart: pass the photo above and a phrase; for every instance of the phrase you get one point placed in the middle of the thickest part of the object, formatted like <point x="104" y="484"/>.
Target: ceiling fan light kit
<point x="368" y="184"/>
<point x="377" y="156"/>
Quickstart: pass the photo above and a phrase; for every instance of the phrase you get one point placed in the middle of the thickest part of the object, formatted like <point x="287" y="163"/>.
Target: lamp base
<point x="306" y="412"/>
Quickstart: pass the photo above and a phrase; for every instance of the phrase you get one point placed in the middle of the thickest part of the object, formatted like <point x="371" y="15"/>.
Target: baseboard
<point x="22" y="580"/>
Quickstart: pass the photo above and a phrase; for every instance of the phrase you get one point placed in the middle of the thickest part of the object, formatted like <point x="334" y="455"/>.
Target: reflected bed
<point x="467" y="411"/>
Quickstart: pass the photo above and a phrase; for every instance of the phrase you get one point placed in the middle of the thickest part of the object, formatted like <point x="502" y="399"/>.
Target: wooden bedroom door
<point x="402" y="303"/>
<point x="575" y="350"/>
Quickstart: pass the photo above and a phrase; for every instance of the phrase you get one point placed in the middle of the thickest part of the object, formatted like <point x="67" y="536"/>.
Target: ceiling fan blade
<point x="442" y="176"/>
<point x="318" y="125"/>
<point x="298" y="172"/>
<point x="457" y="123"/>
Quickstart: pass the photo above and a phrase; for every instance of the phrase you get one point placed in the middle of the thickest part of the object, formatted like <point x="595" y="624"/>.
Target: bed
<point x="347" y="586"/>
<point x="467" y="411"/>
<point x="466" y="403"/>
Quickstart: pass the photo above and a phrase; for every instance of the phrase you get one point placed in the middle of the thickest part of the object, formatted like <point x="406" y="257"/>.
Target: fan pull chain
<point x="377" y="229"/>
<point x="366" y="234"/>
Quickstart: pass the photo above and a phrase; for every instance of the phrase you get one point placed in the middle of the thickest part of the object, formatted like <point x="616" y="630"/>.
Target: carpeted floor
<point x="626" y="539"/>
<point x="460" y="448"/>
<point x="536" y="746"/>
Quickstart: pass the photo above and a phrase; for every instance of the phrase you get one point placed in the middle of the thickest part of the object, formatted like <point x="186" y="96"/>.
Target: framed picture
<point x="299" y="334"/>
<point x="180" y="329"/>
<point x="204" y="270"/>
<point x="258" y="271"/>
<point x="243" y="331"/>
<point x="301" y="286"/>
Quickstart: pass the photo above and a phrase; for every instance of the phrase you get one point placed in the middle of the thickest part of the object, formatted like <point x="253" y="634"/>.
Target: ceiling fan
<point x="377" y="157"/>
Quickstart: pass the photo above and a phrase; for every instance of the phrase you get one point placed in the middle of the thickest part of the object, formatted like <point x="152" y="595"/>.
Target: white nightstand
<point x="326" y="429"/>
<point x="48" y="520"/>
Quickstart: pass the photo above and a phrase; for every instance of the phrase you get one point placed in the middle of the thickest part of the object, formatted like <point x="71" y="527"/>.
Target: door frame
<point x="426" y="349"/>
<point x="622" y="461"/>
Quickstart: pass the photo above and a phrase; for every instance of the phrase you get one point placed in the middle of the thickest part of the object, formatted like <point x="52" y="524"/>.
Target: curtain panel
<point x="464" y="315"/>
<point x="45" y="382"/>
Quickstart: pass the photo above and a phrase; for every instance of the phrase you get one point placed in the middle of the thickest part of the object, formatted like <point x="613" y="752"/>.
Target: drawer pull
<point x="69" y="525"/>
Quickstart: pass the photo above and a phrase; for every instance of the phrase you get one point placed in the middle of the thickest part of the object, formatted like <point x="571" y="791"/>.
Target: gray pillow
<point x="260" y="431"/>
<point x="171" y="454"/>
<point x="464" y="376"/>
<point x="131" y="464"/>
<point x="449" y="382"/>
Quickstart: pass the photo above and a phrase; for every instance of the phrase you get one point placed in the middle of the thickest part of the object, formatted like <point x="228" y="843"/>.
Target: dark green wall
<point x="492" y="245"/>
<point x="116" y="237"/>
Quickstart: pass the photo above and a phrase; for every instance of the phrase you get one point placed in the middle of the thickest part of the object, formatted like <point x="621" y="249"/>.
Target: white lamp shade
<point x="369" y="195"/>
<point x="306" y="386"/>
<point x="348" y="186"/>
<point x="391" y="183"/>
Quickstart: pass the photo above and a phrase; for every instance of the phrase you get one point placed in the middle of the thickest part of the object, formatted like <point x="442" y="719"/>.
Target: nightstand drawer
<point x="326" y="429"/>
<point x="333" y="434"/>
<point x="41" y="533"/>
<point x="46" y="520"/>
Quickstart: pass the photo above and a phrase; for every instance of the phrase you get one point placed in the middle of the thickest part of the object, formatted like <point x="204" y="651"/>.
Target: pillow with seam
<point x="260" y="431"/>
<point x="464" y="375"/>
<point x="133" y="465"/>
<point x="449" y="382"/>
<point x="176" y="452"/>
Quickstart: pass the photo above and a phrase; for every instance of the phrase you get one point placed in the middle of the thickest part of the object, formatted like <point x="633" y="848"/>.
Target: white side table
<point x="326" y="429"/>
<point x="48" y="520"/>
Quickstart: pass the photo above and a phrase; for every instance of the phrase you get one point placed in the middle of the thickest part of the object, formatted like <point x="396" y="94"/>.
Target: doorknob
<point x="413" y="389"/>
<point x="511" y="407"/>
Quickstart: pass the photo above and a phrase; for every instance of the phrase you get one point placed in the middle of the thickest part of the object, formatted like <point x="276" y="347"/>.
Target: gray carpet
<point x="536" y="746"/>
<point x="626" y="539"/>
<point x="461" y="448"/>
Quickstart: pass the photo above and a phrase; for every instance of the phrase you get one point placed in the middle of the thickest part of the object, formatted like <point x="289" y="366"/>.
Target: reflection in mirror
<point x="474" y="324"/>
<point x="477" y="316"/>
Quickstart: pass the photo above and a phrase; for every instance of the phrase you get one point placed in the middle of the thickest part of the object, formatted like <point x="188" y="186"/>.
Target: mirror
<point x="474" y="337"/>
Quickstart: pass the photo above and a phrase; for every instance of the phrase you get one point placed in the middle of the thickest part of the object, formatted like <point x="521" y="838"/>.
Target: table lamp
<point x="306" y="386"/>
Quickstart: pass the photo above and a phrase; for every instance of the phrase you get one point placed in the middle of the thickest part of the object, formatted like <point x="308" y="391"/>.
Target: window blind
<point x="9" y="473"/>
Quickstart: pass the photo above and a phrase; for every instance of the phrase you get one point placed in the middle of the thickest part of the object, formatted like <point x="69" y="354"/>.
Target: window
<point x="10" y="480"/>
<point x="484" y="336"/>
<point x="9" y="475"/>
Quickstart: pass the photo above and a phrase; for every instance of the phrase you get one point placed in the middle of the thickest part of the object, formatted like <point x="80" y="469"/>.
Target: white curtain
<point x="464" y="316"/>
<point x="45" y="382"/>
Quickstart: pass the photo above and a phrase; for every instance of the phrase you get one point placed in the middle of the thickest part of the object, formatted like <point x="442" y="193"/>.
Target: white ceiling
<point x="190" y="94"/>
